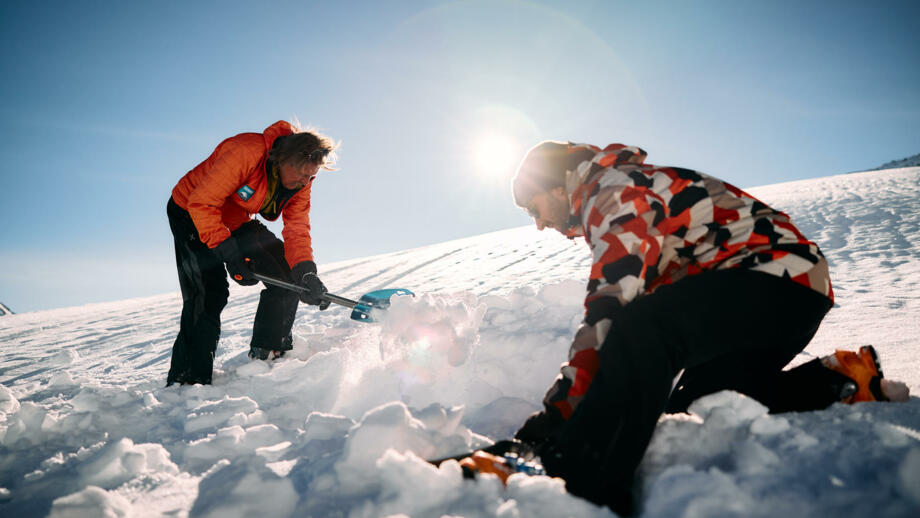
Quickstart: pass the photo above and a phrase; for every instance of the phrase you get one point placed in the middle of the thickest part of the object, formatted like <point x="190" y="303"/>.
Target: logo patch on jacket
<point x="245" y="192"/>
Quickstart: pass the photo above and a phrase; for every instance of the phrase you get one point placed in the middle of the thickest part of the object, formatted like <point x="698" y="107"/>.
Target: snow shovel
<point x="361" y="310"/>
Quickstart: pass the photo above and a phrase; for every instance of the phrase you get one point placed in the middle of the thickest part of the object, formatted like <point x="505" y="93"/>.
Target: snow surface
<point x="338" y="427"/>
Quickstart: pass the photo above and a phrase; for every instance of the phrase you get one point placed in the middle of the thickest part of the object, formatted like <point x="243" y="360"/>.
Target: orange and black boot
<point x="864" y="372"/>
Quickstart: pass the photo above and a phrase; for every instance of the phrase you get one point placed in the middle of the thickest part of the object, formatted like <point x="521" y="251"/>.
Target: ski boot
<point x="257" y="353"/>
<point x="866" y="381"/>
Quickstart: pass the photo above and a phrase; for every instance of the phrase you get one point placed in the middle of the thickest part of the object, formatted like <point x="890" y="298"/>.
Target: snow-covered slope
<point x="337" y="428"/>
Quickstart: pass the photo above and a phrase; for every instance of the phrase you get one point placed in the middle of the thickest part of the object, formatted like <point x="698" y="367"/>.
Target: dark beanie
<point x="543" y="169"/>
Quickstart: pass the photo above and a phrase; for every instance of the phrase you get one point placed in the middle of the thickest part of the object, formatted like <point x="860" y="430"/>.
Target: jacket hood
<point x="278" y="129"/>
<point x="577" y="182"/>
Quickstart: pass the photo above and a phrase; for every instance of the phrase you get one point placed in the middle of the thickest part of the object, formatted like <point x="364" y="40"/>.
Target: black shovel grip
<point x="341" y="301"/>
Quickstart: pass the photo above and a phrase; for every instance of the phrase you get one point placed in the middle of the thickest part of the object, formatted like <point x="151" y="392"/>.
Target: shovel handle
<point x="341" y="301"/>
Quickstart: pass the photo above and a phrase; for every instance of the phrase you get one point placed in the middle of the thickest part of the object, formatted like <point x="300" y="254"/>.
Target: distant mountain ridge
<point x="911" y="161"/>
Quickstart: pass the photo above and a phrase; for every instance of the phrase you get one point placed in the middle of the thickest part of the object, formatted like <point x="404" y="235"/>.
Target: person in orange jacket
<point x="211" y="217"/>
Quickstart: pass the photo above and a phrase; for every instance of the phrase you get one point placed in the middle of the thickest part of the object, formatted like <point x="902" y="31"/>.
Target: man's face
<point x="550" y="209"/>
<point x="296" y="177"/>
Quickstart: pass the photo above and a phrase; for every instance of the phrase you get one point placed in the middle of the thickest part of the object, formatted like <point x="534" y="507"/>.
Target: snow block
<point x="544" y="496"/>
<point x="122" y="460"/>
<point x="415" y="487"/>
<point x="233" y="441"/>
<point x="8" y="402"/>
<point x="727" y="409"/>
<point x="61" y="380"/>
<point x="909" y="476"/>
<point x="242" y="489"/>
<point x="323" y="427"/>
<point x="429" y="329"/>
<point x="214" y="413"/>
<point x="390" y="426"/>
<point x="92" y="502"/>
<point x="65" y="357"/>
<point x="28" y="424"/>
<point x="683" y="491"/>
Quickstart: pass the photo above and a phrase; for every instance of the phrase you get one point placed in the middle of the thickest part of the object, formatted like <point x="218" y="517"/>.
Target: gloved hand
<point x="230" y="254"/>
<point x="541" y="428"/>
<point x="304" y="274"/>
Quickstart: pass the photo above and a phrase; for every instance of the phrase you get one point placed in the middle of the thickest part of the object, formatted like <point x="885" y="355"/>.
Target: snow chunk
<point x="769" y="425"/>
<point x="891" y="436"/>
<point x="242" y="489"/>
<point x="8" y="402"/>
<point x="545" y="496"/>
<point x="683" y="491"/>
<point x="390" y="426"/>
<point x="439" y="419"/>
<point x="322" y="427"/>
<point x="214" y="413"/>
<point x="909" y="475"/>
<point x="752" y="457"/>
<point x="427" y="329"/>
<point x="29" y="424"/>
<point x="727" y="409"/>
<point x="61" y="379"/>
<point x="65" y="357"/>
<point x="118" y="462"/>
<point x="234" y="441"/>
<point x="92" y="502"/>
<point x="415" y="487"/>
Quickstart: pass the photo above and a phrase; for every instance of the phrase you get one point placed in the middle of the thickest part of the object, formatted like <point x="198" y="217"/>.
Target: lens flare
<point x="494" y="154"/>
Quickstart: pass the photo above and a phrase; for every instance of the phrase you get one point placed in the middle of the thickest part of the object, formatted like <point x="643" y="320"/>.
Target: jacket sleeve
<point x="226" y="170"/>
<point x="620" y="223"/>
<point x="298" y="246"/>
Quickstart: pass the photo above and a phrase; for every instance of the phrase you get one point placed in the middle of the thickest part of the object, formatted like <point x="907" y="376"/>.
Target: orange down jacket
<point x="225" y="190"/>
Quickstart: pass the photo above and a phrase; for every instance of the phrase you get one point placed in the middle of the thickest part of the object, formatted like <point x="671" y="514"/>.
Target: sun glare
<point x="494" y="155"/>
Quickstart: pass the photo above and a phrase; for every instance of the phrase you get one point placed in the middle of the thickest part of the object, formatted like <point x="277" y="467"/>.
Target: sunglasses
<point x="317" y="156"/>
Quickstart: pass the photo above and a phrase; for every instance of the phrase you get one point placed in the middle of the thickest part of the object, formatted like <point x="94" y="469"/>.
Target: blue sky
<point x="106" y="104"/>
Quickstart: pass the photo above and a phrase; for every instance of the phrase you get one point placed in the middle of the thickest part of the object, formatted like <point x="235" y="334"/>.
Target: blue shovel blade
<point x="378" y="299"/>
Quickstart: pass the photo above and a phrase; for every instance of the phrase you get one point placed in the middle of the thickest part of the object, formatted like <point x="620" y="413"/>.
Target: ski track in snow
<point x="337" y="428"/>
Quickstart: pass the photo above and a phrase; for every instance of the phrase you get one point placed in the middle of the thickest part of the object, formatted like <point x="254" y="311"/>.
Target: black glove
<point x="304" y="275"/>
<point x="239" y="271"/>
<point x="541" y="428"/>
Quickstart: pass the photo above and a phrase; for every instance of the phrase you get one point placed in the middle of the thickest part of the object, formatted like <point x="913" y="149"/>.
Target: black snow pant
<point x="203" y="281"/>
<point x="728" y="329"/>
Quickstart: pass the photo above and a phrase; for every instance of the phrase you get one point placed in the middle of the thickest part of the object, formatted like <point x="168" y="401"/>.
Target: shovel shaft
<point x="342" y="301"/>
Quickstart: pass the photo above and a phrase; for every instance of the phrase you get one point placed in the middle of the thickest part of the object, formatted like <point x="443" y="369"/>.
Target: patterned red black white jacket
<point x="648" y="226"/>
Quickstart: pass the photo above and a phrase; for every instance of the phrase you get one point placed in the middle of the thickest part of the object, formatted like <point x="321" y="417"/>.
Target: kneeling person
<point x="689" y="274"/>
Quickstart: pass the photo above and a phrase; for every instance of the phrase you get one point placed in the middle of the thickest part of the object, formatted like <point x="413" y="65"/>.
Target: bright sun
<point x="494" y="155"/>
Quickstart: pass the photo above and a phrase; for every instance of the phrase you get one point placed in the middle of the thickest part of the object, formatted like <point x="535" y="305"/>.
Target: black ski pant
<point x="203" y="281"/>
<point x="728" y="329"/>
